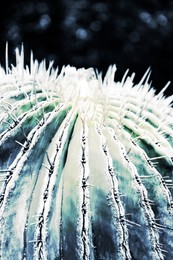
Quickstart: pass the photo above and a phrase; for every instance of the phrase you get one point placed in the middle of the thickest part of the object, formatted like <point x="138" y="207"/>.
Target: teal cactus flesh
<point x="86" y="165"/>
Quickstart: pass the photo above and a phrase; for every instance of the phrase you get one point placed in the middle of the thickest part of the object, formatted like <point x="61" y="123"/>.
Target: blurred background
<point x="134" y="34"/>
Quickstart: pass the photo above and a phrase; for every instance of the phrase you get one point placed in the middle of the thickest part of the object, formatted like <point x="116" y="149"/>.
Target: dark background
<point x="134" y="34"/>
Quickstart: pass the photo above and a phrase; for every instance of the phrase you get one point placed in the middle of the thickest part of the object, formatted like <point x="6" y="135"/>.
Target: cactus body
<point x="85" y="166"/>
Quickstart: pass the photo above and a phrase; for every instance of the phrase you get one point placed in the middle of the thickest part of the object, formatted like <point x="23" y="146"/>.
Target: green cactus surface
<point x="86" y="165"/>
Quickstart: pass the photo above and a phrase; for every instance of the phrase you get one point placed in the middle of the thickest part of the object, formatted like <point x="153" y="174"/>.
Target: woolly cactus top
<point x="86" y="165"/>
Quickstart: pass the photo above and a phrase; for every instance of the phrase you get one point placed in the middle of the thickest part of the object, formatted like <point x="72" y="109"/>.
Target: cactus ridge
<point x="86" y="165"/>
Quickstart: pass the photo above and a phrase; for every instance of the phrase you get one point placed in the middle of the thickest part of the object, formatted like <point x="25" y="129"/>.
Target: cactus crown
<point x="86" y="165"/>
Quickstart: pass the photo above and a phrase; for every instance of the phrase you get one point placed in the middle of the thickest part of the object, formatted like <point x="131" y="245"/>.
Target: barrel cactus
<point x="86" y="165"/>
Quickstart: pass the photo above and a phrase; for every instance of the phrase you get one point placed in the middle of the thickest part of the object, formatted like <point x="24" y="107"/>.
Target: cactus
<point x="86" y="165"/>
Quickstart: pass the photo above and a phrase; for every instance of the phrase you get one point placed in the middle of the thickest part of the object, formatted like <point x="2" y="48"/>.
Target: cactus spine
<point x="86" y="165"/>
